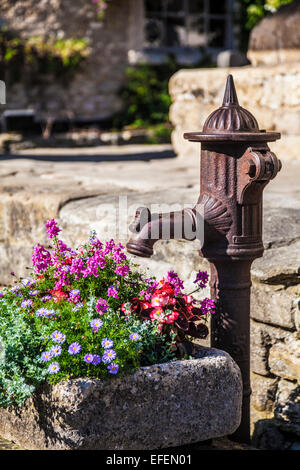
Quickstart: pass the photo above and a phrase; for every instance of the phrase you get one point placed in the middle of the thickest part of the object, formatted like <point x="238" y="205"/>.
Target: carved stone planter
<point x="160" y="406"/>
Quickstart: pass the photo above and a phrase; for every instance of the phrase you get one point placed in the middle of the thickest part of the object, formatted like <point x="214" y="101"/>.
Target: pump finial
<point x="230" y="96"/>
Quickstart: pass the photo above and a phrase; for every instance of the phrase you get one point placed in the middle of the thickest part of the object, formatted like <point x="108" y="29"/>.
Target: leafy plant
<point x="258" y="9"/>
<point x="90" y="313"/>
<point x="36" y="56"/>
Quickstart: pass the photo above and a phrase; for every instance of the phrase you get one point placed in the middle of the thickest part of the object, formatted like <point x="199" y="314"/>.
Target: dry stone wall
<point x="271" y="94"/>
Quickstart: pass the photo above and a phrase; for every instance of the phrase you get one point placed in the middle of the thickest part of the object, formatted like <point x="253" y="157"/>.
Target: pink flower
<point x="157" y="314"/>
<point x="52" y="228"/>
<point x="41" y="258"/>
<point x="101" y="306"/>
<point x="77" y="268"/>
<point x="172" y="317"/>
<point x="159" y="300"/>
<point x="188" y="299"/>
<point x="112" y="292"/>
<point x="122" y="270"/>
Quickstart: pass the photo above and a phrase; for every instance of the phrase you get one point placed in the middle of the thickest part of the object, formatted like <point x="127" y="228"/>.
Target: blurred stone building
<point x="131" y="31"/>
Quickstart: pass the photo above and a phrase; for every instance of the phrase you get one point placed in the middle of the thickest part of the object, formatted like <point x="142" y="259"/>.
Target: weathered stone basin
<point x="158" y="406"/>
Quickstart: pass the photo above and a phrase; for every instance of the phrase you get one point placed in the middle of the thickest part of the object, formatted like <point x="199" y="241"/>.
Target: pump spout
<point x="148" y="228"/>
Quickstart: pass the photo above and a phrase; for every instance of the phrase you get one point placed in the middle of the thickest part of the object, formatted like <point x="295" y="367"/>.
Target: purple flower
<point x="101" y="306"/>
<point x="109" y="246"/>
<point x="47" y="356"/>
<point x="113" y="368"/>
<point x="53" y="368"/>
<point x="74" y="348"/>
<point x="50" y="313"/>
<point x="41" y="258"/>
<point x="45" y="298"/>
<point x="112" y="292"/>
<point x="77" y="306"/>
<point x="28" y="282"/>
<point x="58" y="337"/>
<point x="95" y="242"/>
<point x="94" y="263"/>
<point x="96" y="359"/>
<point x="96" y="323"/>
<point x="88" y="358"/>
<point x="208" y="306"/>
<point x="26" y="303"/>
<point x="74" y="292"/>
<point x="109" y="356"/>
<point x="122" y="270"/>
<point x="175" y="282"/>
<point x="201" y="279"/>
<point x="65" y="269"/>
<point x="134" y="336"/>
<point x="74" y="295"/>
<point x="15" y="289"/>
<point x="107" y="343"/>
<point x="34" y="292"/>
<point x="52" y="228"/>
<point x="56" y="350"/>
<point x="41" y="312"/>
<point x="77" y="268"/>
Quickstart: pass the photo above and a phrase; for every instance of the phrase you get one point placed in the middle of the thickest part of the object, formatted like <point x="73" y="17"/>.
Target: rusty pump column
<point x="236" y="165"/>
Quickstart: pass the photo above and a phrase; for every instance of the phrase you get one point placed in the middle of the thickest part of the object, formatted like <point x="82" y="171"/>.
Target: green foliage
<point x="26" y="334"/>
<point x="145" y="96"/>
<point x="256" y="10"/>
<point x="160" y="134"/>
<point x="37" y="56"/>
<point x="21" y="368"/>
<point x="89" y="313"/>
<point x="146" y="99"/>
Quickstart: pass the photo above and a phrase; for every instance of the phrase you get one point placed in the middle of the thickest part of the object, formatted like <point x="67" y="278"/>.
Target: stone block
<point x="263" y="392"/>
<point x="159" y="406"/>
<point x="287" y="407"/>
<point x="268" y="436"/>
<point x="272" y="305"/>
<point x="262" y="338"/>
<point x="284" y="359"/>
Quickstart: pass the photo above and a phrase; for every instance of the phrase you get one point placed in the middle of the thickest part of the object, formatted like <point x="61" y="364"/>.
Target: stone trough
<point x="160" y="406"/>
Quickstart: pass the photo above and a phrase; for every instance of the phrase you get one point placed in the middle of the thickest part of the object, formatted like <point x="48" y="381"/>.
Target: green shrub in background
<point x="146" y="99"/>
<point x="258" y="9"/>
<point x="31" y="58"/>
<point x="145" y="96"/>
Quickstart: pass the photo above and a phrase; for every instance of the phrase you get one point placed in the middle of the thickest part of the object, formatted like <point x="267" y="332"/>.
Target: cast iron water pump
<point x="236" y="165"/>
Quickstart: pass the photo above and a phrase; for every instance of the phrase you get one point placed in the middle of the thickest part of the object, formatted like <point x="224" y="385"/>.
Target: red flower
<point x="165" y="287"/>
<point x="172" y="317"/>
<point x="58" y="295"/>
<point x="145" y="305"/>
